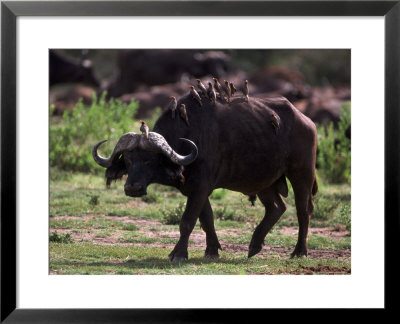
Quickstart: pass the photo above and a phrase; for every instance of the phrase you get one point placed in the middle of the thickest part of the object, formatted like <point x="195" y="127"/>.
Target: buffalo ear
<point x="116" y="171"/>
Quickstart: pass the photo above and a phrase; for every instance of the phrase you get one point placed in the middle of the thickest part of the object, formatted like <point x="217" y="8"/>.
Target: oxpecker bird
<point x="246" y="90"/>
<point x="275" y="122"/>
<point x="195" y="95"/>
<point x="233" y="89"/>
<point x="182" y="110"/>
<point x="211" y="93"/>
<point x="218" y="88"/>
<point x="227" y="89"/>
<point x="202" y="88"/>
<point x="144" y="129"/>
<point x="172" y="106"/>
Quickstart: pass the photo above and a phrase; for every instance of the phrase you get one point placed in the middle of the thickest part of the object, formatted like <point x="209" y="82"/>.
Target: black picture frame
<point x="10" y="10"/>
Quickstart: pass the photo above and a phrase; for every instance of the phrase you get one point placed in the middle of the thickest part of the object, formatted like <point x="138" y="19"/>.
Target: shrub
<point x="151" y="197"/>
<point x="173" y="216"/>
<point x="324" y="207"/>
<point x="345" y="216"/>
<point x="94" y="200"/>
<point x="225" y="215"/>
<point x="60" y="238"/>
<point x="129" y="227"/>
<point x="72" y="139"/>
<point x="334" y="149"/>
<point x="219" y="194"/>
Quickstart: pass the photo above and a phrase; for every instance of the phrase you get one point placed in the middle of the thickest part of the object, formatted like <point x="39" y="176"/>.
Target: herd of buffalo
<point x="249" y="142"/>
<point x="152" y="76"/>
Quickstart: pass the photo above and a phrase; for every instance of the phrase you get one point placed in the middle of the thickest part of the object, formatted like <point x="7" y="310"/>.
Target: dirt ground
<point x="199" y="240"/>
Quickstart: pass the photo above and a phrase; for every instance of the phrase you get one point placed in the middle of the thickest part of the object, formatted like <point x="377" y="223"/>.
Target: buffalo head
<point x="145" y="160"/>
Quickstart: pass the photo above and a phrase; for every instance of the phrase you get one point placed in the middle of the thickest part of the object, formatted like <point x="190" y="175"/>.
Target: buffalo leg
<point x="194" y="206"/>
<point x="207" y="224"/>
<point x="274" y="208"/>
<point x="302" y="188"/>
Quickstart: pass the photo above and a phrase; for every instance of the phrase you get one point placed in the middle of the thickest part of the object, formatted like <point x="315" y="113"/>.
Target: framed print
<point x="107" y="259"/>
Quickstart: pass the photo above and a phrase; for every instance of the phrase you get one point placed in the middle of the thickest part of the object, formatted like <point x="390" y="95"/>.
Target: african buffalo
<point x="234" y="145"/>
<point x="281" y="81"/>
<point x="65" y="70"/>
<point x="155" y="67"/>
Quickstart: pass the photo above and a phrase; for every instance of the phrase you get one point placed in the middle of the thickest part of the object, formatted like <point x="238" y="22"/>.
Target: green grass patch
<point x="151" y="198"/>
<point x="121" y="219"/>
<point x="60" y="238"/>
<point x="95" y="259"/>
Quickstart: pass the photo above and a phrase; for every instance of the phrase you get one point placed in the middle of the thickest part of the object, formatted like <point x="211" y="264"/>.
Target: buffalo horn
<point x="127" y="142"/>
<point x="155" y="143"/>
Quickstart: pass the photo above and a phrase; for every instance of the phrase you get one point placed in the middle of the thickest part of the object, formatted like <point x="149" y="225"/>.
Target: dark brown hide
<point x="238" y="144"/>
<point x="238" y="149"/>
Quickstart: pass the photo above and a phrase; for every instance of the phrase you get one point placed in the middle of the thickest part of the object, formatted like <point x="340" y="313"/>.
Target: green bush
<point x="173" y="216"/>
<point x="72" y="139"/>
<point x="60" y="238"/>
<point x="151" y="197"/>
<point x="94" y="200"/>
<point x="324" y="207"/>
<point x="345" y="216"/>
<point x="227" y="215"/>
<point x="219" y="194"/>
<point x="334" y="149"/>
<point x="129" y="227"/>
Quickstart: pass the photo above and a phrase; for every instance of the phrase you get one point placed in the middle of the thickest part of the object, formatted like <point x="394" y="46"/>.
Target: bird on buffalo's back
<point x="218" y="88"/>
<point x="202" y="88"/>
<point x="172" y="106"/>
<point x="183" y="113"/>
<point x="227" y="89"/>
<point x="144" y="129"/>
<point x="275" y="122"/>
<point x="233" y="89"/>
<point x="211" y="93"/>
<point x="245" y="90"/>
<point x="195" y="95"/>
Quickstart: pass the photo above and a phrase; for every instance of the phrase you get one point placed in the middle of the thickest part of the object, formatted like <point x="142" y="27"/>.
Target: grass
<point x="94" y="259"/>
<point x="55" y="237"/>
<point x="95" y="230"/>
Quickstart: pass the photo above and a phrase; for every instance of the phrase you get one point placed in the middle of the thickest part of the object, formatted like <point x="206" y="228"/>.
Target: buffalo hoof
<point x="298" y="253"/>
<point x="174" y="257"/>
<point x="253" y="250"/>
<point x="212" y="252"/>
<point x="211" y="256"/>
<point x="177" y="259"/>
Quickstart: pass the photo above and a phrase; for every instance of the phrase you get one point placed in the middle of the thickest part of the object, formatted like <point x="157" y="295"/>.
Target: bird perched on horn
<point x="144" y="129"/>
